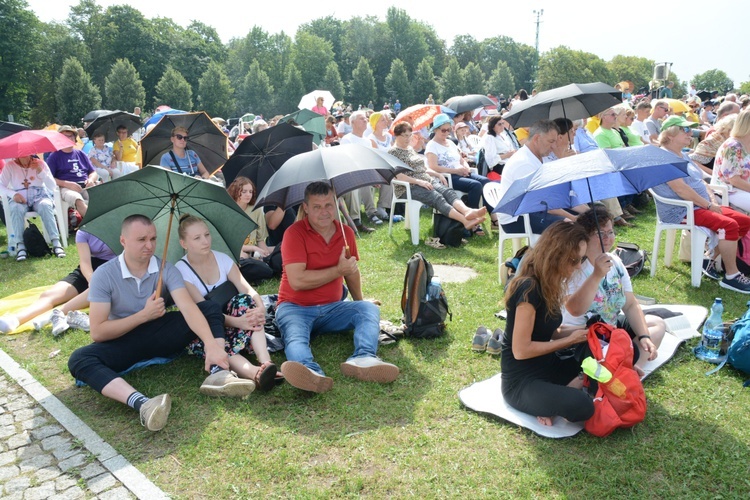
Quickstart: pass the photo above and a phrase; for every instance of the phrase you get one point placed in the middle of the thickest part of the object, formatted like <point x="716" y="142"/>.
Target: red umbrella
<point x="419" y="115"/>
<point x="29" y="142"/>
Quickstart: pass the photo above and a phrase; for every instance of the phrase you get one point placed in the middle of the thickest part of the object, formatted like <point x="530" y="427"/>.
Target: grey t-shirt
<point x="113" y="283"/>
<point x="652" y="125"/>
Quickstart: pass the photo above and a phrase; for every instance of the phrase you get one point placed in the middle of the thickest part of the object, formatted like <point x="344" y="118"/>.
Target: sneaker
<point x="226" y="383"/>
<point x="155" y="412"/>
<point x="301" y="377"/>
<point x="382" y="214"/>
<point x="479" y="343"/>
<point x="370" y="369"/>
<point x="631" y="209"/>
<point x="362" y="229"/>
<point x="709" y="269"/>
<point x="8" y="324"/>
<point x="739" y="283"/>
<point x="375" y="220"/>
<point x="78" y="319"/>
<point x="495" y="344"/>
<point x="59" y="323"/>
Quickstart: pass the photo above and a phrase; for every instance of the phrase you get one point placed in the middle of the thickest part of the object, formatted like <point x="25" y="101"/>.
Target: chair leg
<point x="669" y="246"/>
<point x="697" y="250"/>
<point x="655" y="252"/>
<point x="412" y="212"/>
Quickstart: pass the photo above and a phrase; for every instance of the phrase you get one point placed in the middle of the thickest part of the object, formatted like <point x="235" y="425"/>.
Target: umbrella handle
<point x="160" y="281"/>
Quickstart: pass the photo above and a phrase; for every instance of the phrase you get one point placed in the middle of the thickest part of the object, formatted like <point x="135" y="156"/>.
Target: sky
<point x="676" y="32"/>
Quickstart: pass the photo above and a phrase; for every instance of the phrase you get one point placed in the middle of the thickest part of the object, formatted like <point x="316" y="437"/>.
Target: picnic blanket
<point x="17" y="301"/>
<point x="487" y="397"/>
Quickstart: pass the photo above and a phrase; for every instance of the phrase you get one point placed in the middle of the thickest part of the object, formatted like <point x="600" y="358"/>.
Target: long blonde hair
<point x="550" y="264"/>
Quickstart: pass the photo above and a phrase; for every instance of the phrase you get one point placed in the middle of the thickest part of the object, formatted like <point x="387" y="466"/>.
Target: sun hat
<point x="460" y="125"/>
<point x="677" y="121"/>
<point x="439" y="121"/>
<point x="67" y="128"/>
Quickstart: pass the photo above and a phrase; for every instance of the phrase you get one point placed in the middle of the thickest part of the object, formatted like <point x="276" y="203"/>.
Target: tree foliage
<point x="425" y="82"/>
<point x="501" y="81"/>
<point x="332" y="81"/>
<point x="362" y="87"/>
<point x="215" y="92"/>
<point x="18" y="46"/>
<point x="474" y="79"/>
<point x="291" y="91"/>
<point x="173" y="90"/>
<point x="76" y="95"/>
<point x="397" y="83"/>
<point x="311" y="54"/>
<point x="123" y="88"/>
<point x="562" y="66"/>
<point x="257" y="91"/>
<point x="638" y="70"/>
<point x="452" y="81"/>
<point x="713" y="79"/>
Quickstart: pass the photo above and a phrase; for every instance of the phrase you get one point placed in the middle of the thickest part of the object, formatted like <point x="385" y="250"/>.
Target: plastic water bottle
<point x="434" y="288"/>
<point x="710" y="346"/>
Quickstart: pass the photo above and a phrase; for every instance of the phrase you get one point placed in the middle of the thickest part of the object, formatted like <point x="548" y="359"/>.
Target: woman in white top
<point x="244" y="316"/>
<point x="498" y="146"/>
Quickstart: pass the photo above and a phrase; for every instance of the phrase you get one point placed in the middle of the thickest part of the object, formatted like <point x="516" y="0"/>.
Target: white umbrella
<point x="310" y="100"/>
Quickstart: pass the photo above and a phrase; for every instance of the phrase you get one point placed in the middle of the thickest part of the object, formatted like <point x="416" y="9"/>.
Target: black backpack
<point x="449" y="231"/>
<point x="632" y="257"/>
<point x="423" y="318"/>
<point x="34" y="241"/>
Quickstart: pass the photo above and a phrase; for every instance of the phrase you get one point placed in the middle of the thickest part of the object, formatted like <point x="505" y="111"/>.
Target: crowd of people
<point x="568" y="277"/>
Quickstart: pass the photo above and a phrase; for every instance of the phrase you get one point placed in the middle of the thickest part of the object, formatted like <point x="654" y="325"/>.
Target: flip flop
<point x="478" y="231"/>
<point x="434" y="243"/>
<point x="265" y="378"/>
<point x="21" y="255"/>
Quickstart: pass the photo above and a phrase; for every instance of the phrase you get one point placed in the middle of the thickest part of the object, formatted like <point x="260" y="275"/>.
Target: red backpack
<point x="620" y="402"/>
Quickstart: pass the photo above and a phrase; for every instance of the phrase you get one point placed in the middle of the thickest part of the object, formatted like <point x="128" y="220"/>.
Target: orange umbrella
<point x="419" y="115"/>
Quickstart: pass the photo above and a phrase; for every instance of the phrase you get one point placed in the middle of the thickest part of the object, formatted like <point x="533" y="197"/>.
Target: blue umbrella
<point x="592" y="176"/>
<point x="158" y="116"/>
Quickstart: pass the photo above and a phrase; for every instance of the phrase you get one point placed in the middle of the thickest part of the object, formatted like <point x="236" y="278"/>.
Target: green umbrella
<point x="311" y="121"/>
<point x="163" y="196"/>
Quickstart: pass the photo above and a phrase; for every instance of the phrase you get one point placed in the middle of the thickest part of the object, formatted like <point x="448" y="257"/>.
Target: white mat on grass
<point x="487" y="397"/>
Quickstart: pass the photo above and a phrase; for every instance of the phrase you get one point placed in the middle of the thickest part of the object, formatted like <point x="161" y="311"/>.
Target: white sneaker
<point x="155" y="412"/>
<point x="59" y="323"/>
<point x="78" y="319"/>
<point x="8" y="324"/>
<point x="370" y="369"/>
<point x="382" y="214"/>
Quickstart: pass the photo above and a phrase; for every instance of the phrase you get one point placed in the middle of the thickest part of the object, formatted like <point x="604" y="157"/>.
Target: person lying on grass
<point x="535" y="380"/>
<point x="601" y="286"/>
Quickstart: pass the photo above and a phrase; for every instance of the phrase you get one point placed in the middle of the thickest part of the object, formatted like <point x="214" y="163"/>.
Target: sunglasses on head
<point x="181" y="137"/>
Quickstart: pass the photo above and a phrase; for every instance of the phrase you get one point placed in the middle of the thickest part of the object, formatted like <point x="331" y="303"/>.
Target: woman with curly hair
<point x="535" y="380"/>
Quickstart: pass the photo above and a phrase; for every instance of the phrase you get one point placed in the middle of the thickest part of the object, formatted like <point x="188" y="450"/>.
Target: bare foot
<point x="476" y="213"/>
<point x="545" y="421"/>
<point x="472" y="223"/>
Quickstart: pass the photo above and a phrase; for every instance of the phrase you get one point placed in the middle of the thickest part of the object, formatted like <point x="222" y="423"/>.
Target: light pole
<point x="539" y="14"/>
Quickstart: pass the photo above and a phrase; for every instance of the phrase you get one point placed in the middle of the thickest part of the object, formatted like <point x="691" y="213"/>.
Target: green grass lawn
<point x="413" y="437"/>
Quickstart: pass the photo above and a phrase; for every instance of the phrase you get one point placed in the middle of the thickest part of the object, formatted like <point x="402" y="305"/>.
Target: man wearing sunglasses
<point x="181" y="159"/>
<point x="660" y="109"/>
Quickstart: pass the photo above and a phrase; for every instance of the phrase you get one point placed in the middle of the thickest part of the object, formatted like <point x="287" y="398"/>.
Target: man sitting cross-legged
<point x="130" y="324"/>
<point x="316" y="264"/>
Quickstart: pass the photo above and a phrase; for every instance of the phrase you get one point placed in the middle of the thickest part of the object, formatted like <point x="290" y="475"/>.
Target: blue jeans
<point x="471" y="185"/>
<point x="299" y="323"/>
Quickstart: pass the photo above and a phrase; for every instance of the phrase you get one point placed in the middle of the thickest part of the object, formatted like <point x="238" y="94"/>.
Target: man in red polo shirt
<point x="317" y="262"/>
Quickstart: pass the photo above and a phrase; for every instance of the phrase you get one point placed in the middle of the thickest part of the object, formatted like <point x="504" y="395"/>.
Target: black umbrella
<point x="469" y="102"/>
<point x="260" y="155"/>
<point x="107" y="123"/>
<point x="93" y="115"/>
<point x="204" y="137"/>
<point x="10" y="128"/>
<point x="574" y="101"/>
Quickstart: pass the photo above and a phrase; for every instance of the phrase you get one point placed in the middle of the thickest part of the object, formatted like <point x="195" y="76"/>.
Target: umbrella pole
<point x="596" y="220"/>
<point x="338" y="213"/>
<point x="570" y="141"/>
<point x="166" y="247"/>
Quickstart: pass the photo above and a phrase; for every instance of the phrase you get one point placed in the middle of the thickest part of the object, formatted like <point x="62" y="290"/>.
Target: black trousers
<point x="99" y="363"/>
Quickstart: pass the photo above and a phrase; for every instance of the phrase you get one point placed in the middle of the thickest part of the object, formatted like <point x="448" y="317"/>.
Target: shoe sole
<point x="478" y="347"/>
<point x="301" y="377"/>
<point x="730" y="287"/>
<point x="158" y="418"/>
<point x="378" y="373"/>
<point x="494" y="352"/>
<point x="267" y="379"/>
<point x="239" y="388"/>
<point x="58" y="331"/>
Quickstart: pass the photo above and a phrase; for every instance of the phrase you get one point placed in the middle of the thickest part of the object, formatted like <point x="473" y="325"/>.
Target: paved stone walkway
<point x="53" y="454"/>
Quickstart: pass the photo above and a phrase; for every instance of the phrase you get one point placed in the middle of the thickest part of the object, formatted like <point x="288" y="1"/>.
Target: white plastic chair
<point x="491" y="192"/>
<point x="411" y="211"/>
<point x="697" y="239"/>
<point x="61" y="217"/>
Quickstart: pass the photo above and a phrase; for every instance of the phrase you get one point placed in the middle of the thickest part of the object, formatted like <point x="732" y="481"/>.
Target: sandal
<point x="434" y="243"/>
<point x="59" y="252"/>
<point x="265" y="378"/>
<point x="21" y="255"/>
<point x="478" y="231"/>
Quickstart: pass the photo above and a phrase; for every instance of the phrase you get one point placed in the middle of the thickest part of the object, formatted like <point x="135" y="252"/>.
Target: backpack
<point x="738" y="352"/>
<point x="423" y="318"/>
<point x="621" y="401"/>
<point x="514" y="264"/>
<point x="33" y="240"/>
<point x="449" y="231"/>
<point x="632" y="257"/>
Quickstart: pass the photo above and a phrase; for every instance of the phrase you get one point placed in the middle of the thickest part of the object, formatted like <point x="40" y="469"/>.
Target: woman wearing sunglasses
<point x="180" y="159"/>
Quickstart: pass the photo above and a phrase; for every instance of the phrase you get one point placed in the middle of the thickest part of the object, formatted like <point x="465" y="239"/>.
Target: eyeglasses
<point x="577" y="260"/>
<point x="444" y="130"/>
<point x="664" y="108"/>
<point x="607" y="234"/>
<point x="180" y="137"/>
